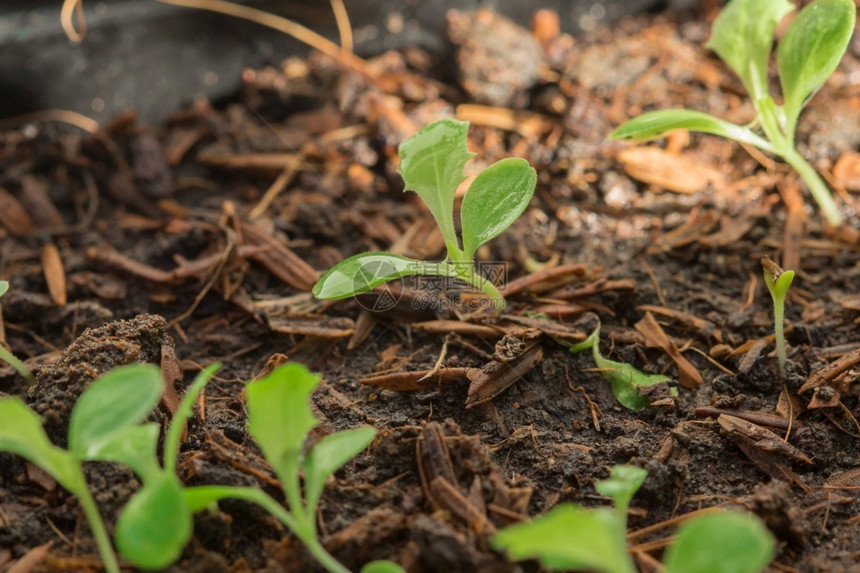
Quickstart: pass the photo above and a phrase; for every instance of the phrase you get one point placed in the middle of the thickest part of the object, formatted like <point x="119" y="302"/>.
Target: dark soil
<point x="220" y="220"/>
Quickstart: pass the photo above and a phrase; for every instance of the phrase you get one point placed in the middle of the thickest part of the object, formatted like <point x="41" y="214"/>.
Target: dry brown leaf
<point x="32" y="559"/>
<point x="697" y="225"/>
<point x="688" y="375"/>
<point x="681" y="173"/>
<point x="55" y="273"/>
<point x="13" y="216"/>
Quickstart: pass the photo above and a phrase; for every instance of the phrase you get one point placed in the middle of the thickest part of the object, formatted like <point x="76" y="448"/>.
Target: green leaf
<point x="496" y="197"/>
<point x="811" y="50"/>
<point x="280" y="416"/>
<point x="133" y="446"/>
<point x="625" y="380"/>
<point x="569" y="537"/>
<point x="431" y="163"/>
<point x="15" y="363"/>
<point x="328" y="455"/>
<point x="21" y="433"/>
<point x="658" y="123"/>
<point x="155" y="525"/>
<point x="113" y="402"/>
<point x="382" y="567"/>
<point x="729" y="542"/>
<point x="743" y="37"/>
<point x="4" y="286"/>
<point x="624" y="481"/>
<point x="365" y="271"/>
<point x="779" y="285"/>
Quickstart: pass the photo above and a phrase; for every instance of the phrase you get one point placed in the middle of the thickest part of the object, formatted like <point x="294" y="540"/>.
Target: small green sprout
<point x="806" y="56"/>
<point x="431" y="163"/>
<point x="280" y="419"/>
<point x="102" y="423"/>
<point x="573" y="538"/>
<point x="10" y="358"/>
<point x="778" y="282"/>
<point x="624" y="379"/>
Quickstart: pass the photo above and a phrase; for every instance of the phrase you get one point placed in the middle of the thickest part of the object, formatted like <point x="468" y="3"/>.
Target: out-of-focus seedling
<point x="624" y="379"/>
<point x="280" y="419"/>
<point x="10" y="358"/>
<point x="431" y="163"/>
<point x="573" y="538"/>
<point x="778" y="282"/>
<point x="103" y="423"/>
<point x="806" y="56"/>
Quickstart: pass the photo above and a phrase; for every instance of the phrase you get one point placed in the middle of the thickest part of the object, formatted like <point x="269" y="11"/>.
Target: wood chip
<point x="548" y="327"/>
<point x="495" y="377"/>
<point x="106" y="254"/>
<point x="280" y="260"/>
<point x="458" y="327"/>
<point x="171" y="373"/>
<point x="55" y="273"/>
<point x="705" y="328"/>
<point x="543" y="280"/>
<point x="688" y="375"/>
<point x="417" y="380"/>
<point x="760" y="418"/>
<point x="697" y="225"/>
<point x="527" y="124"/>
<point x="681" y="173"/>
<point x="451" y="499"/>
<point x="831" y="371"/>
<point x="309" y="324"/>
<point x="762" y="438"/>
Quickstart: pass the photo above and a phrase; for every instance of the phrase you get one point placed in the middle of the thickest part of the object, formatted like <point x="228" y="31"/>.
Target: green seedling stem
<point x="778" y="282"/>
<point x="7" y="356"/>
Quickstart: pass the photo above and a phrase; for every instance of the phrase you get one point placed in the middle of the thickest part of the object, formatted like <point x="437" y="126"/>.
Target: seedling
<point x="806" y="56"/>
<point x="103" y="422"/>
<point x="778" y="282"/>
<point x="571" y="537"/>
<point x="624" y="379"/>
<point x="10" y="358"/>
<point x="280" y="419"/>
<point x="431" y="163"/>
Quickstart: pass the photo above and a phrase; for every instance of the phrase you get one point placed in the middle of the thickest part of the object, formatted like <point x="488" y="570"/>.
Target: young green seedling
<point x="807" y="54"/>
<point x="10" y="358"/>
<point x="778" y="282"/>
<point x="624" y="379"/>
<point x="573" y="538"/>
<point x="431" y="163"/>
<point x="102" y="420"/>
<point x="280" y="419"/>
<point x="155" y="526"/>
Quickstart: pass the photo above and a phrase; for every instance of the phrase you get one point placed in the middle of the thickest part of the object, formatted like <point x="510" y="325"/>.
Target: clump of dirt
<point x="96" y="352"/>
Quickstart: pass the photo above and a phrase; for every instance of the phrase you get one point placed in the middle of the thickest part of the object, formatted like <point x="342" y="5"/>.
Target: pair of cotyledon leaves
<point x="431" y="163"/>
